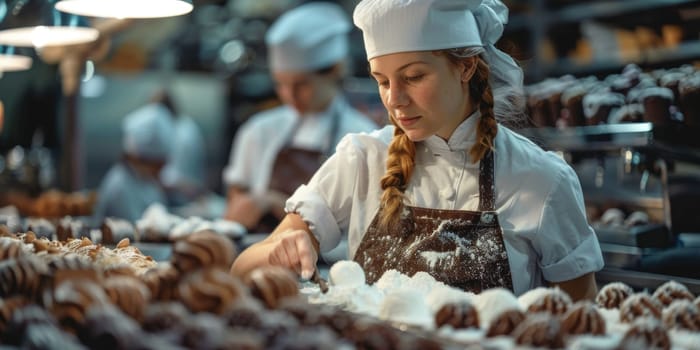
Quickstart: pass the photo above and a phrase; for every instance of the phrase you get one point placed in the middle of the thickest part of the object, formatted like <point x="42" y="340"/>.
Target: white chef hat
<point x="308" y="37"/>
<point x="392" y="26"/>
<point x="147" y="132"/>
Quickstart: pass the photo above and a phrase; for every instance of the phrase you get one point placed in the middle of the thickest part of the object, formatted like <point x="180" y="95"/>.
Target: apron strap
<point x="328" y="148"/>
<point x="487" y="191"/>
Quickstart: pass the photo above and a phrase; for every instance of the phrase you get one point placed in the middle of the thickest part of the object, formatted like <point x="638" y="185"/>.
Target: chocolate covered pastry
<point x="72" y="266"/>
<point x="70" y="300"/>
<point x="10" y="248"/>
<point x="613" y="294"/>
<point x="639" y="305"/>
<point x="210" y="290"/>
<point x="23" y="317"/>
<point x="274" y="323"/>
<point x="645" y="333"/>
<point x="300" y="309"/>
<point x="8" y="308"/>
<point x="203" y="249"/>
<point x="244" y="313"/>
<point x="313" y="337"/>
<point x="119" y="270"/>
<point x="45" y="336"/>
<point x="599" y="105"/>
<point x="458" y="315"/>
<point x="689" y="99"/>
<point x="540" y="330"/>
<point x="671" y="291"/>
<point x="202" y="331"/>
<point x="370" y="334"/>
<point x="657" y="102"/>
<point x="105" y="327"/>
<point x="505" y="323"/>
<point x="162" y="281"/>
<point x="271" y="284"/>
<point x="115" y="229"/>
<point x="583" y="318"/>
<point x="41" y="227"/>
<point x="129" y="294"/>
<point x="554" y="301"/>
<point x="243" y="340"/>
<point x="164" y="316"/>
<point x="340" y="321"/>
<point x="682" y="314"/>
<point x="23" y="276"/>
<point x="69" y="227"/>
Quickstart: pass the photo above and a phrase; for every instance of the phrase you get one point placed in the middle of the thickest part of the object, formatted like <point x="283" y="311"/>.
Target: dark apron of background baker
<point x="294" y="166"/>
<point x="461" y="248"/>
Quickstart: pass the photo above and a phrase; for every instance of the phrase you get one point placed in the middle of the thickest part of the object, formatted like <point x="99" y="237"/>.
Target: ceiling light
<point x="126" y="8"/>
<point x="41" y="36"/>
<point x="11" y="61"/>
<point x="37" y="23"/>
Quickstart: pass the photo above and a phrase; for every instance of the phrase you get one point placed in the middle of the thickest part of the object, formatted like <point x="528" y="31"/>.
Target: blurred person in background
<point x="184" y="175"/>
<point x="133" y="182"/>
<point x="277" y="150"/>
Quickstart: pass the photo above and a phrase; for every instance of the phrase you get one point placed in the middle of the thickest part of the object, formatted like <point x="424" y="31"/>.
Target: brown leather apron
<point x="463" y="249"/>
<point x="295" y="166"/>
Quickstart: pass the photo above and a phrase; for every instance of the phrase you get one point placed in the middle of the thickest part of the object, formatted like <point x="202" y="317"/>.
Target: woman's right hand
<point x="294" y="249"/>
<point x="290" y="245"/>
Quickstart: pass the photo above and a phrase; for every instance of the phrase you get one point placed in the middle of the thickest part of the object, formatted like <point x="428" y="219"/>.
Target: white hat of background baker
<point x="148" y="132"/>
<point x="393" y="26"/>
<point x="309" y="37"/>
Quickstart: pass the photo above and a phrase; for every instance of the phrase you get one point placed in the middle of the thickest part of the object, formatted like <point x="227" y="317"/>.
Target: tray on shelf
<point x="674" y="141"/>
<point x="643" y="236"/>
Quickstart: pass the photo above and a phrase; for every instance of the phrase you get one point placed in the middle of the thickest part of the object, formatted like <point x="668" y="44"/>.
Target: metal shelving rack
<point x="540" y="18"/>
<point x="623" y="249"/>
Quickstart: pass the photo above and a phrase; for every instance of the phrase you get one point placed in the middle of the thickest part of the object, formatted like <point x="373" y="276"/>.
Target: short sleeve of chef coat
<point x="568" y="245"/>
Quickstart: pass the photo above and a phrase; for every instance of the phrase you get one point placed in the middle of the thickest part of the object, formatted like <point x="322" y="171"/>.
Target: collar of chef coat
<point x="335" y="103"/>
<point x="312" y="129"/>
<point x="461" y="140"/>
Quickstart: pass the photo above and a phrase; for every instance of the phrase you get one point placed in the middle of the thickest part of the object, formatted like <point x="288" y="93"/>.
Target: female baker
<point x="446" y="189"/>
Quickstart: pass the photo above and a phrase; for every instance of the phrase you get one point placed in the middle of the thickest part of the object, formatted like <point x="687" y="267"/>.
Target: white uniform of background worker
<point x="307" y="47"/>
<point x="132" y="184"/>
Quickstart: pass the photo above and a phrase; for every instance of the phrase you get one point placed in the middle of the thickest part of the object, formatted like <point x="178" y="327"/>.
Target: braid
<point x="399" y="167"/>
<point x="481" y="94"/>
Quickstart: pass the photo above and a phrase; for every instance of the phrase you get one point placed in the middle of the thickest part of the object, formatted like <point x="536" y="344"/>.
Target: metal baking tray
<point x="643" y="236"/>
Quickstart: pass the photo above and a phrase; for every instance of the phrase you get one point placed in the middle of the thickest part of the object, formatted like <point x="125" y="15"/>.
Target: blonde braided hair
<point x="482" y="96"/>
<point x="399" y="168"/>
<point x="401" y="158"/>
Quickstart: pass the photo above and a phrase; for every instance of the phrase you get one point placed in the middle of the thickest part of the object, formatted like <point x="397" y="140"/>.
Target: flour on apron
<point x="464" y="249"/>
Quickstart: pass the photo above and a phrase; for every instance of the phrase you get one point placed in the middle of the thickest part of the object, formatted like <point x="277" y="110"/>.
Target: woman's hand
<point x="290" y="245"/>
<point x="294" y="249"/>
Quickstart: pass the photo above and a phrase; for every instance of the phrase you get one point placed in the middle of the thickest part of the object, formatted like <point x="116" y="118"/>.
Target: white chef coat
<point x="538" y="198"/>
<point x="125" y="194"/>
<point x="186" y="159"/>
<point x="258" y="141"/>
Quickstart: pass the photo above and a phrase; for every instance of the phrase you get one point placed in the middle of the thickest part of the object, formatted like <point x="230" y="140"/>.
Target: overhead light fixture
<point x="37" y="23"/>
<point x="11" y="61"/>
<point x="123" y="9"/>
